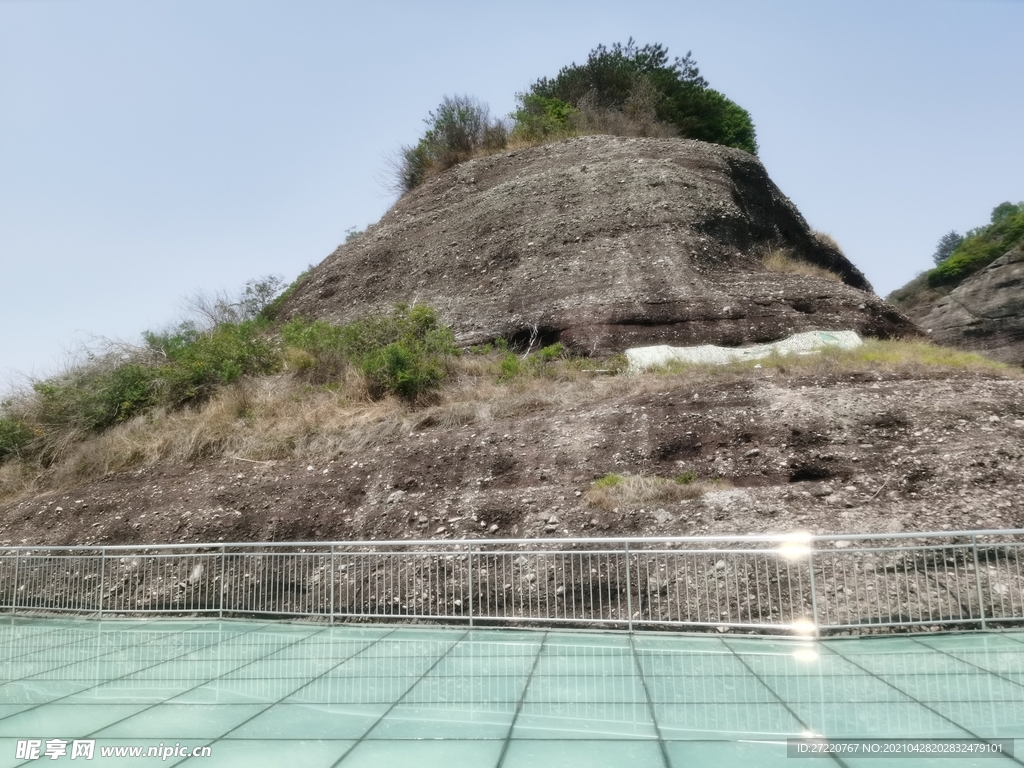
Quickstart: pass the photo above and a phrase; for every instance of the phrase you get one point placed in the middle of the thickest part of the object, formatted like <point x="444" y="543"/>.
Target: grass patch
<point x="893" y="356"/>
<point x="781" y="261"/>
<point x="634" y="491"/>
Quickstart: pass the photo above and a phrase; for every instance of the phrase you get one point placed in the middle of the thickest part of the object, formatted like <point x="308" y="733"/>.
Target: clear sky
<point x="152" y="149"/>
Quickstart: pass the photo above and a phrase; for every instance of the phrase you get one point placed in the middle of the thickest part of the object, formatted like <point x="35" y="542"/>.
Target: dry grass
<point x="826" y="239"/>
<point x="781" y="261"/>
<point x="907" y="358"/>
<point x="918" y="292"/>
<point x="613" y="492"/>
<point x="270" y="418"/>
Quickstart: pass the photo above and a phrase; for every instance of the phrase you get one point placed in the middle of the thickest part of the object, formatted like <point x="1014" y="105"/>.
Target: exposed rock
<point x="985" y="313"/>
<point x="602" y="243"/>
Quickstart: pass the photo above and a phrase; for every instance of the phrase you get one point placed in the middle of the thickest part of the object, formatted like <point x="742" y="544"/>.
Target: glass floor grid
<point x="349" y="696"/>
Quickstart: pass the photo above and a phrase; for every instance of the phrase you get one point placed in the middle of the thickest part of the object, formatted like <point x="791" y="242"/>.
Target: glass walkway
<point x="271" y="694"/>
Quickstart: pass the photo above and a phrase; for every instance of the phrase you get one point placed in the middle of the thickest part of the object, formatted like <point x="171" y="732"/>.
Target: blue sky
<point x="149" y="150"/>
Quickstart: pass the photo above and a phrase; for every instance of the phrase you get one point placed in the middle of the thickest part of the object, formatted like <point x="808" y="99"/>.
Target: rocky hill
<point x="984" y="313"/>
<point x="601" y="243"/>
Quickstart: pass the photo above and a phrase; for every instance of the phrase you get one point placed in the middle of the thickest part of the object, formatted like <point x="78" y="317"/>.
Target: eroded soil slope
<point x="826" y="453"/>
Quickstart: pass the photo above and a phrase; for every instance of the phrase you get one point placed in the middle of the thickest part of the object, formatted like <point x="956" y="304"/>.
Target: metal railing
<point x="784" y="583"/>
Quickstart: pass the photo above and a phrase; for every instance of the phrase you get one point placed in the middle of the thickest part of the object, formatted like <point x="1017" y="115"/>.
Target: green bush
<point x="608" y="481"/>
<point x="623" y="76"/>
<point x="405" y="353"/>
<point x="14" y="436"/>
<point x="459" y="127"/>
<point x="539" y="118"/>
<point x="948" y="243"/>
<point x="536" y="364"/>
<point x="96" y="396"/>
<point x="510" y="366"/>
<point x="552" y="352"/>
<point x="198" y="362"/>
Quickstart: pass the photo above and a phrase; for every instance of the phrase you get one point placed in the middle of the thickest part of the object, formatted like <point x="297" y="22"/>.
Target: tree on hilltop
<point x="624" y="77"/>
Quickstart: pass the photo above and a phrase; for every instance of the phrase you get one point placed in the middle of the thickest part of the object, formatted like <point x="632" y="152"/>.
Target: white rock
<point x="810" y="342"/>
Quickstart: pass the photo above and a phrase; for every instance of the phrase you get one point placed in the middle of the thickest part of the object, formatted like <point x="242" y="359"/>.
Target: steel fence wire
<point x="792" y="583"/>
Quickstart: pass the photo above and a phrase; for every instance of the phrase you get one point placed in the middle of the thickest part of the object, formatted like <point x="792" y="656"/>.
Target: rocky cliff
<point x="984" y="314"/>
<point x="601" y="243"/>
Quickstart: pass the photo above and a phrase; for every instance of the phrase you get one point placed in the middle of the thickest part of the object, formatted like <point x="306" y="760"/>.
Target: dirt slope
<point x="602" y="243"/>
<point x="827" y="452"/>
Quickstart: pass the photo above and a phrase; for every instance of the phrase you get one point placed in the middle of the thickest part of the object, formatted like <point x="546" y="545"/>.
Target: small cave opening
<point x="809" y="472"/>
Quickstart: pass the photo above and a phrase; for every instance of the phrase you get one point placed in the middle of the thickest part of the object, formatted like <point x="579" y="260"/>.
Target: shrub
<point x="948" y="243"/>
<point x="552" y="352"/>
<point x="686" y="477"/>
<point x="403" y="368"/>
<point x="198" y="362"/>
<point x="404" y="354"/>
<point x="14" y="436"/>
<point x="641" y="83"/>
<point x="459" y="127"/>
<point x="543" y="119"/>
<point x="93" y="397"/>
<point x="608" y="481"/>
<point x="510" y="366"/>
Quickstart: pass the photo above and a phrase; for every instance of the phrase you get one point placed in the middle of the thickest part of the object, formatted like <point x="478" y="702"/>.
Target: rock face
<point x="985" y="313"/>
<point x="602" y="243"/>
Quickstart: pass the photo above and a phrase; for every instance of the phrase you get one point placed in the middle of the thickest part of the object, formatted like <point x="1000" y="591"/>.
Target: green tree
<point x="615" y="78"/>
<point x="947" y="244"/>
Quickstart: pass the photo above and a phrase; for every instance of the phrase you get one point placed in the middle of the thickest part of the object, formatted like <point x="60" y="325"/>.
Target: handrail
<point x="768" y="537"/>
<point x="787" y="582"/>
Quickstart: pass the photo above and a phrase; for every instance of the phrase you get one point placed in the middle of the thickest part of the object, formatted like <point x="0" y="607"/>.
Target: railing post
<point x="814" y="590"/>
<point x="103" y="577"/>
<point x="469" y="566"/>
<point x="977" y="580"/>
<point x="331" y="574"/>
<point x="17" y="591"/>
<point x="629" y="593"/>
<point x="223" y="583"/>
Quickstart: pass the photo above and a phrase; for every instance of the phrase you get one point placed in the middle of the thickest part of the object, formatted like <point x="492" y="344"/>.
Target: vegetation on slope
<point x="406" y="354"/>
<point x="323" y="402"/>
<point x="960" y="257"/>
<point x="624" y="90"/>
